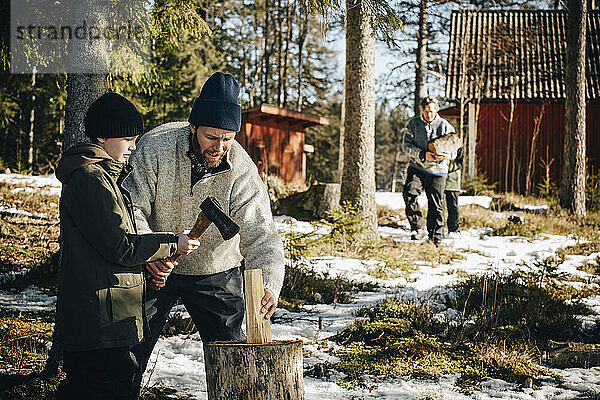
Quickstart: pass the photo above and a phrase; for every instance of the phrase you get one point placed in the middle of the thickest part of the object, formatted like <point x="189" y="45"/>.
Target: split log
<point x="446" y="144"/>
<point x="573" y="355"/>
<point x="258" y="329"/>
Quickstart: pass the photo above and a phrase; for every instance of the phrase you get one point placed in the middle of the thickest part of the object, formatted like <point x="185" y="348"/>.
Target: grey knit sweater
<point x="417" y="136"/>
<point x="164" y="200"/>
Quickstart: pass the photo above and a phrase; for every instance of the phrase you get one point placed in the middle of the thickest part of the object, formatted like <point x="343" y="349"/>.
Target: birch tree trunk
<point x="30" y="155"/>
<point x="572" y="188"/>
<point x="358" y="178"/>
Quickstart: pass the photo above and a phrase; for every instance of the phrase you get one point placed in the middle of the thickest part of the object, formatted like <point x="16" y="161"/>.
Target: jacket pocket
<point x="126" y="296"/>
<point x="104" y="307"/>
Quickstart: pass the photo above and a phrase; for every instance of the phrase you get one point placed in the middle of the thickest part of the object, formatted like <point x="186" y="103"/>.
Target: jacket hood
<point x="80" y="156"/>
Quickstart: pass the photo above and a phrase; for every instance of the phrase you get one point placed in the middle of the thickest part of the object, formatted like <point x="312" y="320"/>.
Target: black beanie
<point x="112" y="116"/>
<point x="217" y="105"/>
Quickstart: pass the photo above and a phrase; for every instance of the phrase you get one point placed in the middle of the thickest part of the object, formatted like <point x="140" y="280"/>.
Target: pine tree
<point x="572" y="185"/>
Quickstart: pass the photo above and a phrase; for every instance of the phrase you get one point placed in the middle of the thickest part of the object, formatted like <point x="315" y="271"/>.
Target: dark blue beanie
<point x="217" y="104"/>
<point x="112" y="116"/>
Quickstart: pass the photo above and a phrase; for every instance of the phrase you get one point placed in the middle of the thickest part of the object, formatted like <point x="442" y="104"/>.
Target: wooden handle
<point x="258" y="329"/>
<point x="202" y="223"/>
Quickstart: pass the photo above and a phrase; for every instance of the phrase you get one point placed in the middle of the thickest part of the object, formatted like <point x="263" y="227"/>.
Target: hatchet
<point x="212" y="213"/>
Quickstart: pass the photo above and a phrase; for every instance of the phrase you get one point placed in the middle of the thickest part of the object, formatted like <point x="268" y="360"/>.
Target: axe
<point x="211" y="212"/>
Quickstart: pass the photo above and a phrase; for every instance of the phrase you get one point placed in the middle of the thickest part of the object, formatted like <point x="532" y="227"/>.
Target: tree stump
<point x="327" y="198"/>
<point x="244" y="371"/>
<point x="261" y="369"/>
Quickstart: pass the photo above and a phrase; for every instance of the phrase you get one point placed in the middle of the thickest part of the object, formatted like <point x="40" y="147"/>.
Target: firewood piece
<point x="446" y="144"/>
<point x="258" y="329"/>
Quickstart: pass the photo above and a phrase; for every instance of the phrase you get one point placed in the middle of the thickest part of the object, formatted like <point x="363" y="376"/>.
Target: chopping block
<point x="260" y="368"/>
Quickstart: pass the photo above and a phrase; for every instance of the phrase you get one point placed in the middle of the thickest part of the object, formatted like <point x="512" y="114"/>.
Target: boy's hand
<point x="185" y="245"/>
<point x="160" y="271"/>
<point x="268" y="304"/>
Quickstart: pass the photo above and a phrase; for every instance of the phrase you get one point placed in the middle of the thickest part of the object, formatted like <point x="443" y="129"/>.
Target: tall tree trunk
<point x="421" y="55"/>
<point x="82" y="90"/>
<point x="280" y="24"/>
<point x="266" y="55"/>
<point x="397" y="151"/>
<point x="30" y="155"/>
<point x="301" y="40"/>
<point x="358" y="178"/>
<point x="572" y="188"/>
<point x="340" y="172"/>
<point x="61" y="124"/>
<point x="257" y="68"/>
<point x="289" y="17"/>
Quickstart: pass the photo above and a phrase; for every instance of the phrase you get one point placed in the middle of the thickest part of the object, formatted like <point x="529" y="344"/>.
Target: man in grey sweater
<point x="177" y="166"/>
<point x="426" y="170"/>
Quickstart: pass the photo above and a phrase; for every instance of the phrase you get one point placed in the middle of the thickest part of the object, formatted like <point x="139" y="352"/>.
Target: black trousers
<point x="215" y="304"/>
<point x="452" y="206"/>
<point x="99" y="375"/>
<point x="416" y="182"/>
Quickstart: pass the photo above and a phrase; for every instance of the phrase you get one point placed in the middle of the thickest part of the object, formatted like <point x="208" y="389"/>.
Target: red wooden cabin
<point x="501" y="58"/>
<point x="274" y="138"/>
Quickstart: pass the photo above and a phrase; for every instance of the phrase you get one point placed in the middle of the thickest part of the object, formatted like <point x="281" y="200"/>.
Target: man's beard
<point x="206" y="163"/>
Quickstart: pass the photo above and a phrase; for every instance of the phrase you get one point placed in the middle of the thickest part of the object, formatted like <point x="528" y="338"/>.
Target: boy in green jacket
<point x="452" y="190"/>
<point x="99" y="309"/>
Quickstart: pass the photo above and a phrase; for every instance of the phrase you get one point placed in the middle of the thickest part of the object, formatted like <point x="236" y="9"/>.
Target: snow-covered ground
<point x="178" y="361"/>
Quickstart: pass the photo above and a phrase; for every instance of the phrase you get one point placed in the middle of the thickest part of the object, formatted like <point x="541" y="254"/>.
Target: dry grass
<point x="23" y="344"/>
<point x="33" y="202"/>
<point x="580" y="249"/>
<point x="556" y="222"/>
<point x="400" y="255"/>
<point x="27" y="240"/>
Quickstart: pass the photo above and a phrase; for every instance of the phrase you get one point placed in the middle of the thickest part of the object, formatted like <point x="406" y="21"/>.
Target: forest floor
<point x="391" y="319"/>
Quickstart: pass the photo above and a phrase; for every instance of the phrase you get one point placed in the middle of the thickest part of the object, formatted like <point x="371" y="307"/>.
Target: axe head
<point x="213" y="211"/>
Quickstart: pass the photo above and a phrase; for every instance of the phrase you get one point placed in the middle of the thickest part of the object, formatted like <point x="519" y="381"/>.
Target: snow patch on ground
<point x="31" y="299"/>
<point x="44" y="184"/>
<point x="395" y="200"/>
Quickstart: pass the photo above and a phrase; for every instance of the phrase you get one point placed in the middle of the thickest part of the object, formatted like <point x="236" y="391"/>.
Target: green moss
<point x="518" y="307"/>
<point x="404" y="339"/>
<point x="515" y="227"/>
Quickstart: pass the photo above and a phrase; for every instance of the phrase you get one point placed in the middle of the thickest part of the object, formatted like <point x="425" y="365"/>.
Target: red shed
<point x="274" y="138"/>
<point x="506" y="71"/>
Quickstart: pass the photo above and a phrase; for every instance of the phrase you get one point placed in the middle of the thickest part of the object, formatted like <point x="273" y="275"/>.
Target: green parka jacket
<point x="454" y="172"/>
<point x="102" y="283"/>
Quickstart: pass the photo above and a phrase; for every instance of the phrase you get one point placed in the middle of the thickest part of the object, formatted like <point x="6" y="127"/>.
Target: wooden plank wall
<point x="492" y="141"/>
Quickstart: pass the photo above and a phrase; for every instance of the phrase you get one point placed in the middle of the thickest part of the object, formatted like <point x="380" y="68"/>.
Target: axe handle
<point x="202" y="223"/>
